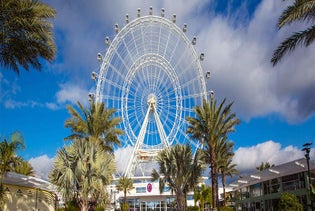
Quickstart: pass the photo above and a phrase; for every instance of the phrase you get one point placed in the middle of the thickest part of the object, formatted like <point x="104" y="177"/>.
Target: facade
<point x="27" y="193"/>
<point x="262" y="190"/>
<point x="145" y="196"/>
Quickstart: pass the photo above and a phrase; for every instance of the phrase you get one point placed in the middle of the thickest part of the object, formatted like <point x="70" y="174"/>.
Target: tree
<point x="225" y="157"/>
<point x="96" y="124"/>
<point x="22" y="166"/>
<point x="124" y="184"/>
<point x="81" y="170"/>
<point x="179" y="170"/>
<point x="87" y="164"/>
<point x="210" y="125"/>
<point x="8" y="149"/>
<point x="203" y="195"/>
<point x="264" y="166"/>
<point x="289" y="202"/>
<point x="26" y="34"/>
<point x="300" y="10"/>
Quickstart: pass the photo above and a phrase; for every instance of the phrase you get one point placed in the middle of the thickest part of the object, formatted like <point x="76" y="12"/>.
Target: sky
<point x="276" y="105"/>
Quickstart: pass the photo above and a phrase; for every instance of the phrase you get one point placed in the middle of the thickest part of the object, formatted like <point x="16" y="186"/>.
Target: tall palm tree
<point x="26" y="34"/>
<point x="81" y="170"/>
<point x="180" y="170"/>
<point x="87" y="164"/>
<point x="124" y="184"/>
<point x="96" y="124"/>
<point x="211" y="124"/>
<point x="225" y="157"/>
<point x="300" y="10"/>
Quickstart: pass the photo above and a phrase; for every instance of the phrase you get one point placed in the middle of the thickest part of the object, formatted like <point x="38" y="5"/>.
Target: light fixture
<point x="299" y="164"/>
<point x="255" y="176"/>
<point x="242" y="181"/>
<point x="274" y="171"/>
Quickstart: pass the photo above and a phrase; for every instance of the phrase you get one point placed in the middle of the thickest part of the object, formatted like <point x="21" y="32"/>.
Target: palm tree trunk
<point x="223" y="185"/>
<point x="180" y="197"/>
<point x="214" y="180"/>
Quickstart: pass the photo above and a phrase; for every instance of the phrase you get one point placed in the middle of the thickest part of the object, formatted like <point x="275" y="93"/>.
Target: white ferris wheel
<point x="152" y="75"/>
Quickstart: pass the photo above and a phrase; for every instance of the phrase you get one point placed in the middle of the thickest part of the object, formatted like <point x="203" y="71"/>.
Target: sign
<point x="149" y="187"/>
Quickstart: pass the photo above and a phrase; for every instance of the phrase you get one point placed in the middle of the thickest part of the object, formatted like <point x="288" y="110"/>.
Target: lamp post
<point x="307" y="150"/>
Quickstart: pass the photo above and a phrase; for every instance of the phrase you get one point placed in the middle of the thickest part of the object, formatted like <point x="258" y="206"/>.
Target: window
<point x="141" y="190"/>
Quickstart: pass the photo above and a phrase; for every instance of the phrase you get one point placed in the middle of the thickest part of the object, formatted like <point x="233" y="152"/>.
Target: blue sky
<point x="276" y="105"/>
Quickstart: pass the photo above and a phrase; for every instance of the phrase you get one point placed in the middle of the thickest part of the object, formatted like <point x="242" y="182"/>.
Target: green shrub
<point x="193" y="208"/>
<point x="289" y="202"/>
<point x="125" y="207"/>
<point x="225" y="208"/>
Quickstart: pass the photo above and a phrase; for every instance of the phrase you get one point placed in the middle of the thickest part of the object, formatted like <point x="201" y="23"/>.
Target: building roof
<point x="285" y="169"/>
<point x="11" y="178"/>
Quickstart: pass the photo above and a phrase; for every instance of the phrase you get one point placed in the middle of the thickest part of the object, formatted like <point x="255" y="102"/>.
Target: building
<point x="27" y="193"/>
<point x="145" y="196"/>
<point x="262" y="190"/>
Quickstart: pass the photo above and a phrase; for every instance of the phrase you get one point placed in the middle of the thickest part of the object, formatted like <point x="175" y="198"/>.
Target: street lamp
<point x="307" y="150"/>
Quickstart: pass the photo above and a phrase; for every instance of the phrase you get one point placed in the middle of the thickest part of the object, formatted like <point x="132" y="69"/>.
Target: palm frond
<point x="305" y="38"/>
<point x="300" y="10"/>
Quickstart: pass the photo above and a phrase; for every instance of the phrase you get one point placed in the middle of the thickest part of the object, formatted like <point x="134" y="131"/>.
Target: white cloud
<point x="42" y="166"/>
<point x="122" y="157"/>
<point x="237" y="47"/>
<point x="248" y="158"/>
<point x="72" y="93"/>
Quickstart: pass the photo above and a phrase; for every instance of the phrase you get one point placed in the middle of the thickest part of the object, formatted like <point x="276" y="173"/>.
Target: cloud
<point x="122" y="157"/>
<point x="72" y="93"/>
<point x="42" y="166"/>
<point x="238" y="44"/>
<point x="248" y="158"/>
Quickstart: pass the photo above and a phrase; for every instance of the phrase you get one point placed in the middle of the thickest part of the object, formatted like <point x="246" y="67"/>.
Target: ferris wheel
<point x="152" y="75"/>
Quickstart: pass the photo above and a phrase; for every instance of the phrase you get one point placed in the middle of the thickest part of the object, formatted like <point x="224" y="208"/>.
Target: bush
<point x="289" y="202"/>
<point x="193" y="208"/>
<point x="225" y="208"/>
<point x="124" y="207"/>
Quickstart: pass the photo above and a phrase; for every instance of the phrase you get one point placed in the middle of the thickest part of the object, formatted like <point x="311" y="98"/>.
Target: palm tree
<point x="264" y="166"/>
<point x="225" y="157"/>
<point x="81" y="170"/>
<point x="210" y="125"/>
<point x="87" y="164"/>
<point x="8" y="151"/>
<point x="203" y="195"/>
<point x="22" y="166"/>
<point x="26" y="34"/>
<point x="95" y="124"/>
<point x="300" y="10"/>
<point x="124" y="184"/>
<point x="180" y="170"/>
